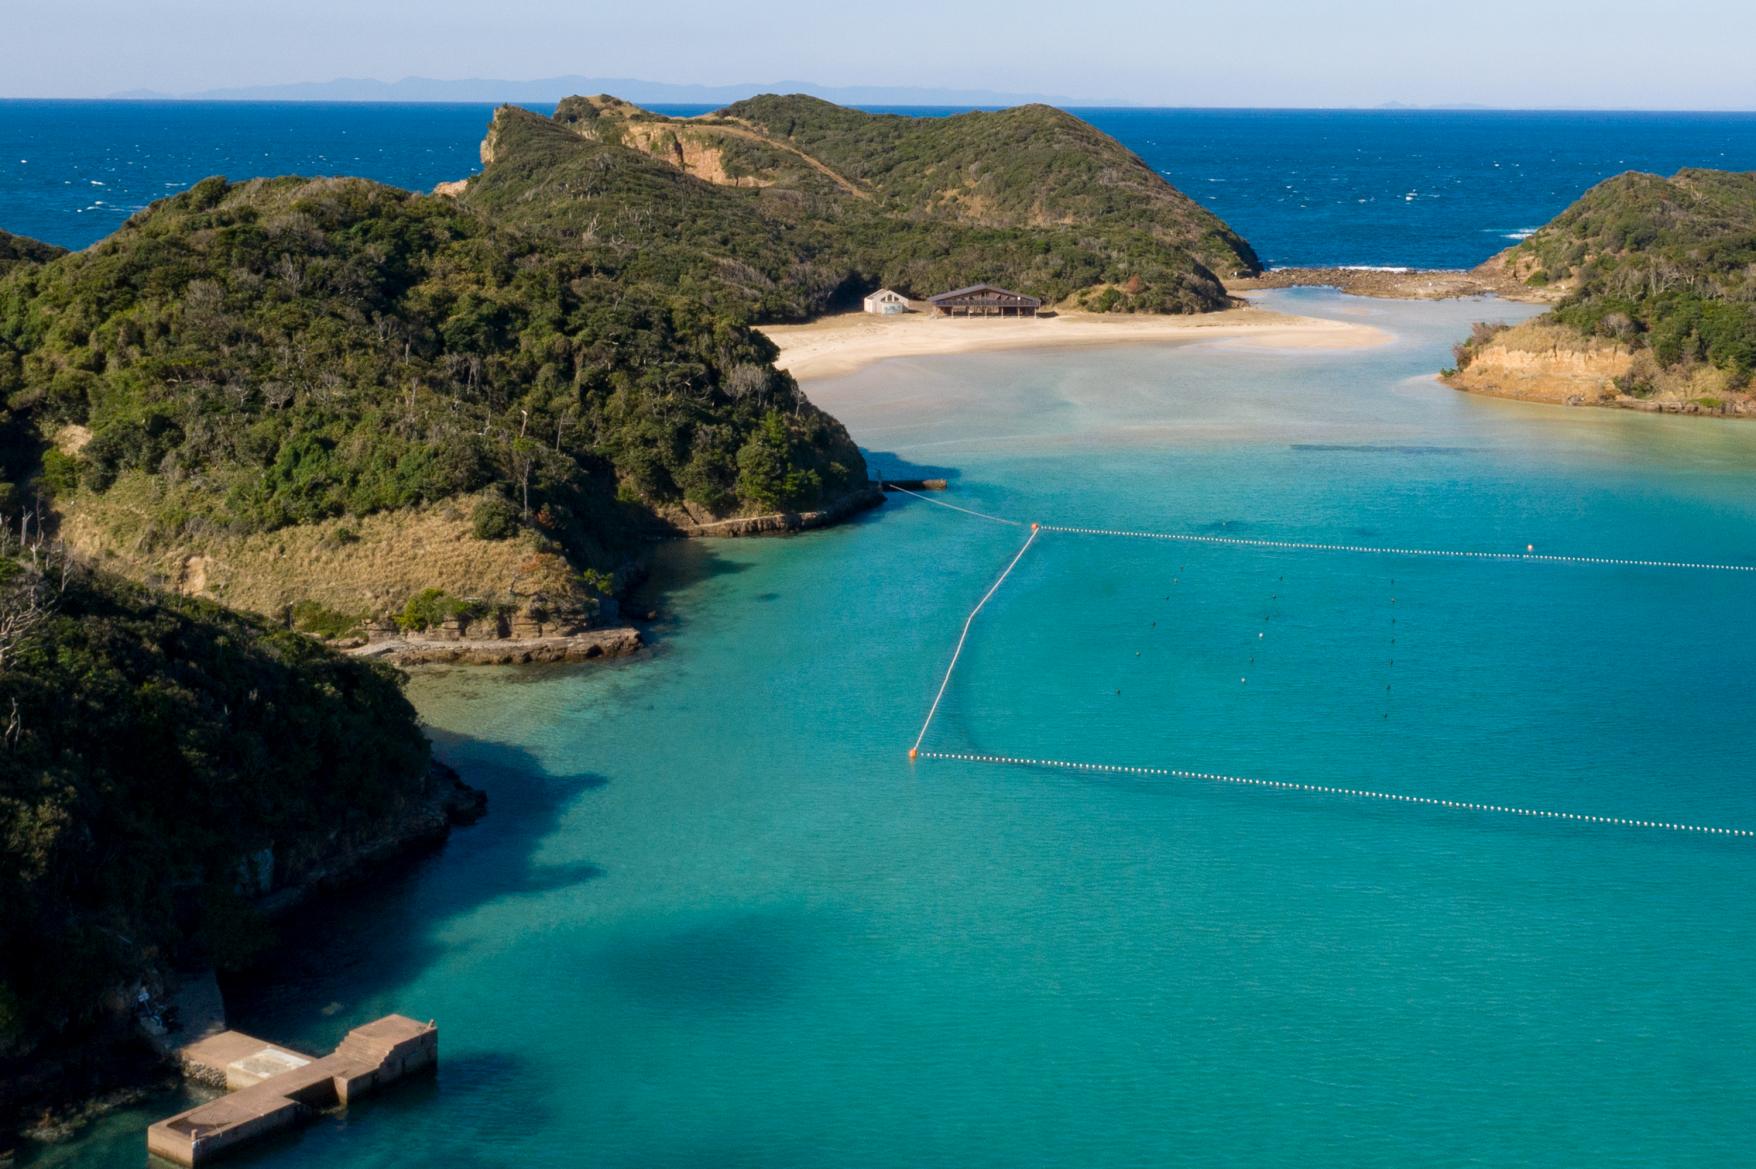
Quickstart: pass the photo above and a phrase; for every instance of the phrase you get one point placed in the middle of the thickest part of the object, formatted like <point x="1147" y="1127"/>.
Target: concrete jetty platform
<point x="272" y="1087"/>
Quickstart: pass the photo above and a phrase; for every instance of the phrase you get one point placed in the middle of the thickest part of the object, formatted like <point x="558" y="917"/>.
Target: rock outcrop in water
<point x="1397" y="283"/>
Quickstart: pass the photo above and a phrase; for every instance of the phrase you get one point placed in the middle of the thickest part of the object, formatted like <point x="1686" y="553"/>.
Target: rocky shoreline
<point x="420" y="829"/>
<point x="1399" y="283"/>
<point x="119" y="1063"/>
<point x="525" y="640"/>
<point x="683" y="522"/>
<point x="1529" y="363"/>
<point x="122" y="1062"/>
<point x="615" y="642"/>
<point x="1742" y="406"/>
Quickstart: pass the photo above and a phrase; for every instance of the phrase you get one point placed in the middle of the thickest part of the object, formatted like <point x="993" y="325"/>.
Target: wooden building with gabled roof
<point x="984" y="300"/>
<point x="886" y="302"/>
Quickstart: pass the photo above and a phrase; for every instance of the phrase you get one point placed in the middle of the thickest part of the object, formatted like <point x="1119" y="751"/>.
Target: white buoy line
<point x="980" y="515"/>
<point x="915" y="752"/>
<point x="1530" y="553"/>
<point x="964" y="636"/>
<point x="1328" y="790"/>
<point x="1379" y="550"/>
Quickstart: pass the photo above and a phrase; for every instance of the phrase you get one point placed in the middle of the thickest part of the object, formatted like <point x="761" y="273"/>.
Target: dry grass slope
<point x="364" y="567"/>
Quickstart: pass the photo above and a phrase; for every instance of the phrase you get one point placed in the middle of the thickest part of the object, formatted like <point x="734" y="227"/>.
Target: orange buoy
<point x="912" y="752"/>
<point x="1033" y="527"/>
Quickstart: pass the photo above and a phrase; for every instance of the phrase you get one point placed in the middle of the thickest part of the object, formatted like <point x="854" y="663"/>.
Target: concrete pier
<point x="272" y="1087"/>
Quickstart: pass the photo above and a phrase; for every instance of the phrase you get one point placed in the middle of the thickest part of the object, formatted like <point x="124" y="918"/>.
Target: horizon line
<point x="1391" y="107"/>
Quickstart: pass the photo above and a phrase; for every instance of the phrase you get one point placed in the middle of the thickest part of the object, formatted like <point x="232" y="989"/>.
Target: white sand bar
<point x="847" y="341"/>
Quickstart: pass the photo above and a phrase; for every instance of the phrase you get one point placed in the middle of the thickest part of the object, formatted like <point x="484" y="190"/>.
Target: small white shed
<point x="885" y="302"/>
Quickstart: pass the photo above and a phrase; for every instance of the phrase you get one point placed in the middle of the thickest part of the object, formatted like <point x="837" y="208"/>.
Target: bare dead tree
<point x="522" y="457"/>
<point x="31" y="590"/>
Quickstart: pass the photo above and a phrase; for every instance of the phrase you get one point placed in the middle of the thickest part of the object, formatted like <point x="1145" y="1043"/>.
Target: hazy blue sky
<point x="1615" y="53"/>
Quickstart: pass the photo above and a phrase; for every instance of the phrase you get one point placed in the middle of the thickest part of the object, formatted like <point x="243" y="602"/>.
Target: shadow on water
<point x="683" y="563"/>
<point x="734" y="960"/>
<point x="343" y="960"/>
<point x="498" y="1092"/>
<point x="676" y="567"/>
<point x="891" y="465"/>
<point x="342" y="957"/>
<point x="680" y="565"/>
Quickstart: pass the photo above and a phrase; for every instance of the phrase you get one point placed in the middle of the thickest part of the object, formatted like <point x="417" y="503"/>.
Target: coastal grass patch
<point x="321" y="621"/>
<point x="366" y="567"/>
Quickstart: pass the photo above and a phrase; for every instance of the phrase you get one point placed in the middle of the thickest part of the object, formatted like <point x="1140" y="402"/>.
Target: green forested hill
<point x="534" y="368"/>
<point x="784" y="207"/>
<point x="1027" y="167"/>
<point x="148" y="745"/>
<point x="1664" y="266"/>
<point x="18" y="249"/>
<point x="291" y="351"/>
<point x="642" y="219"/>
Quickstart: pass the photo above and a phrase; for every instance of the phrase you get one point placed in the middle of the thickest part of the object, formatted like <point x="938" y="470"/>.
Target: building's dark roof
<point x="957" y="292"/>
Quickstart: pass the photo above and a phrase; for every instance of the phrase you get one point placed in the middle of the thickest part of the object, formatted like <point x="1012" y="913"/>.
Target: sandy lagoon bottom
<point x="716" y="918"/>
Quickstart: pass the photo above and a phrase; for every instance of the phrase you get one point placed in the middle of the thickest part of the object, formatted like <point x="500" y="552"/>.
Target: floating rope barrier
<point x="1325" y="789"/>
<point x="964" y="636"/>
<point x="1529" y="554"/>
<point x="1454" y="554"/>
<point x="981" y="515"/>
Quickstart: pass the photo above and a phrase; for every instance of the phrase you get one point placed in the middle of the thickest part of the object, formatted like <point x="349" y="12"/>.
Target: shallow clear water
<point x="716" y="917"/>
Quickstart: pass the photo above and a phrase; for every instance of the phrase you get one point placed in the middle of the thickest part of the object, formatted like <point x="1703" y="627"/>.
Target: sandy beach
<point x="843" y="343"/>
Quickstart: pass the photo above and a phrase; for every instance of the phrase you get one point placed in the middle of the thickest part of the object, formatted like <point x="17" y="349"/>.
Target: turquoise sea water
<point x="716" y="917"/>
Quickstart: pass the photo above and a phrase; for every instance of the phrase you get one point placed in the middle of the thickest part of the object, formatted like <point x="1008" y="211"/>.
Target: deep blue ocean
<point x="1306" y="187"/>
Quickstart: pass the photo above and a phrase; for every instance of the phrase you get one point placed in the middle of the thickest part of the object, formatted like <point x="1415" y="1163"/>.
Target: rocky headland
<point x="1653" y="283"/>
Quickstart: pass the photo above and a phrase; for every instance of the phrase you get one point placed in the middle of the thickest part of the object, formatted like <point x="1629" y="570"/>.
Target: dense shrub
<point x="768" y="470"/>
<point x="153" y="742"/>
<point x="291" y="351"/>
<point x="494" y="517"/>
<point x="431" y="608"/>
<point x="1480" y="334"/>
<point x="320" y="620"/>
<point x="1667" y="265"/>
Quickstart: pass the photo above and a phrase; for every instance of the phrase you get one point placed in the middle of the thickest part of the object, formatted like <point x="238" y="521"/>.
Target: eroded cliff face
<point x="690" y="152"/>
<point x="1539" y="362"/>
<point x="1545" y="363"/>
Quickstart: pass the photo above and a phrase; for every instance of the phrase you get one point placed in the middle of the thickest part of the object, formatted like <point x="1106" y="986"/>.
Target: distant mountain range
<point x="551" y="89"/>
